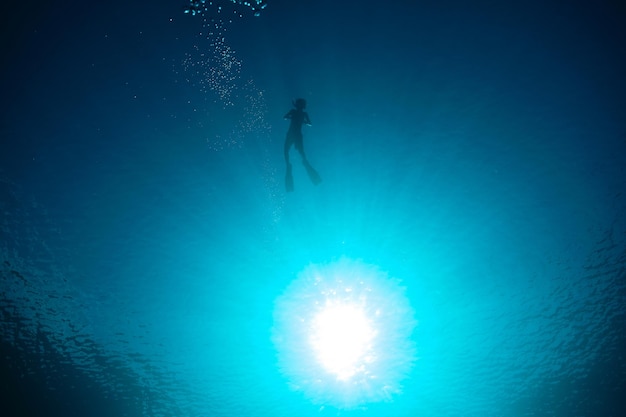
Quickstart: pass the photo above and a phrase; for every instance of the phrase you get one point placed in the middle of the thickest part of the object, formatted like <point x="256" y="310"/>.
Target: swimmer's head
<point x="299" y="103"/>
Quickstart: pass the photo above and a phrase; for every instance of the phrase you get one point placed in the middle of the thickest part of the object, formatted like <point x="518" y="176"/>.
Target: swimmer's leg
<point x="288" y="175"/>
<point x="286" y="150"/>
<point x="313" y="175"/>
<point x="288" y="179"/>
<point x="300" y="148"/>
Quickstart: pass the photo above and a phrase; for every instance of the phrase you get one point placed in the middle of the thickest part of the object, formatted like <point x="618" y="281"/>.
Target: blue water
<point x="473" y="159"/>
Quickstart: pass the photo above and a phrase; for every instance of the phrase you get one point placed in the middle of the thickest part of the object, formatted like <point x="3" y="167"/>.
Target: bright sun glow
<point x="343" y="333"/>
<point x="341" y="339"/>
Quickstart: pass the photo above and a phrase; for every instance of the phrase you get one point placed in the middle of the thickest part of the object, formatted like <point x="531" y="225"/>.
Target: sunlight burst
<point x="341" y="339"/>
<point x="343" y="334"/>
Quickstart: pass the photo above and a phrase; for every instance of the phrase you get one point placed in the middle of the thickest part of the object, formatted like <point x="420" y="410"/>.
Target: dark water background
<point x="474" y="150"/>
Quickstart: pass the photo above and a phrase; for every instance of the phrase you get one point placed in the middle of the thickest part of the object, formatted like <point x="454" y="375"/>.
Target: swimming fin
<point x="289" y="179"/>
<point x="313" y="175"/>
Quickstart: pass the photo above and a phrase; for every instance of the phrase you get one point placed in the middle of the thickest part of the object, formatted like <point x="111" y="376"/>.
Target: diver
<point x="298" y="117"/>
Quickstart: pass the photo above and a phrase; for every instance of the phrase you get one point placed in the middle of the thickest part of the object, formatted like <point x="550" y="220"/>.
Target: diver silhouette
<point x="298" y="117"/>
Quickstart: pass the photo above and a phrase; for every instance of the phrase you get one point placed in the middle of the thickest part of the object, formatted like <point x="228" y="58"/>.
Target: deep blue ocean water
<point x="473" y="165"/>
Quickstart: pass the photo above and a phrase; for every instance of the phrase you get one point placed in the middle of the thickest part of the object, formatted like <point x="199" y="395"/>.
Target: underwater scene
<point x="313" y="208"/>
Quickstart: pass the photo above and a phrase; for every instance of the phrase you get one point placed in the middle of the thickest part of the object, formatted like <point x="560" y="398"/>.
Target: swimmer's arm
<point x="307" y="121"/>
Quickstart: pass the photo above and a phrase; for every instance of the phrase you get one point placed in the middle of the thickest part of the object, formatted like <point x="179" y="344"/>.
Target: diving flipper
<point x="313" y="175"/>
<point x="289" y="180"/>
